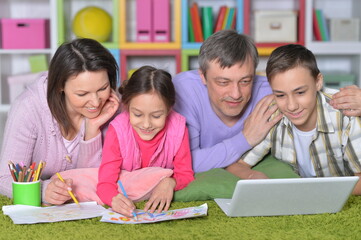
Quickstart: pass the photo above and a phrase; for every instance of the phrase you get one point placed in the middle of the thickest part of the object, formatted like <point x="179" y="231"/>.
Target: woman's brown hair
<point x="69" y="60"/>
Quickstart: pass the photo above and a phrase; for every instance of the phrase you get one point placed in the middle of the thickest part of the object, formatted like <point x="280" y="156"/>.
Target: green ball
<point x="94" y="23"/>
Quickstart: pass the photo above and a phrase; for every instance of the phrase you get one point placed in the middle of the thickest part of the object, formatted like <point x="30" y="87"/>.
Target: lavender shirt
<point x="32" y="134"/>
<point x="213" y="144"/>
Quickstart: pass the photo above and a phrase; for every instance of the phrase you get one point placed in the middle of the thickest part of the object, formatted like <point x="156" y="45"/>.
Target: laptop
<point x="290" y="196"/>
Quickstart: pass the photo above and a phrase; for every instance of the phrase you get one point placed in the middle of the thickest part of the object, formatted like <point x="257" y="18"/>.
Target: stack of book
<point x="201" y="24"/>
<point x="320" y="27"/>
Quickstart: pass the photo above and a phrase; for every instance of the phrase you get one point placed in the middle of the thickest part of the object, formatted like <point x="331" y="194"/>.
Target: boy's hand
<point x="123" y="205"/>
<point x="162" y="196"/>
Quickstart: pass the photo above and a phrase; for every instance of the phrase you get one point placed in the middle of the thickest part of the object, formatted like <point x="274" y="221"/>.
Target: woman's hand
<point x="109" y="109"/>
<point x="57" y="191"/>
<point x="162" y="196"/>
<point x="123" y="205"/>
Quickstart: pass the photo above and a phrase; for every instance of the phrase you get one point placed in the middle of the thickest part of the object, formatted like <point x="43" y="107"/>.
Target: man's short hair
<point x="227" y="47"/>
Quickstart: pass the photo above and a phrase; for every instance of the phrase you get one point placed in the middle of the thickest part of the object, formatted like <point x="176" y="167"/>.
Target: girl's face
<point x="148" y="114"/>
<point x="86" y="93"/>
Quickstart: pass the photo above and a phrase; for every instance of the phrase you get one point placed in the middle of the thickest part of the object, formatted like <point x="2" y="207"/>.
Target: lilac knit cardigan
<point x="32" y="134"/>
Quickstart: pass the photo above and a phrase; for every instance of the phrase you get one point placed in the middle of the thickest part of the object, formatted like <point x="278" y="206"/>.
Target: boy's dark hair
<point x="148" y="79"/>
<point x="71" y="59"/>
<point x="227" y="47"/>
<point x="290" y="56"/>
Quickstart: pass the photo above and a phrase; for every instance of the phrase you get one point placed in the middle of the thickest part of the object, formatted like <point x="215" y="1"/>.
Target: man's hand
<point x="258" y="123"/>
<point x="348" y="99"/>
<point x="244" y="171"/>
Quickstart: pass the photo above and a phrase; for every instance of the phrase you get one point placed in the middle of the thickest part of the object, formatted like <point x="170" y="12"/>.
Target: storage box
<point x="338" y="80"/>
<point x="18" y="83"/>
<point x="24" y="33"/>
<point x="275" y="26"/>
<point x="345" y="29"/>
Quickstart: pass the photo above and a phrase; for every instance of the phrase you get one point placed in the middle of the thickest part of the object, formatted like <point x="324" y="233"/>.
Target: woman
<point x="59" y="119"/>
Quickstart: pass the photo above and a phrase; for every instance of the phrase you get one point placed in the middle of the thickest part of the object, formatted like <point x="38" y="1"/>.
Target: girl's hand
<point x="123" y="205"/>
<point x="57" y="191"/>
<point x="162" y="196"/>
<point x="109" y="109"/>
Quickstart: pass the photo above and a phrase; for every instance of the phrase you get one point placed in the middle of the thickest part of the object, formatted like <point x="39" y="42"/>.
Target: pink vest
<point x="165" y="152"/>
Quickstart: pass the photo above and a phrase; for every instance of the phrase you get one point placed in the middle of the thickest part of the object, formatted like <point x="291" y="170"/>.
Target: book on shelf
<point x="207" y="23"/>
<point x="190" y="27"/>
<point x="197" y="25"/>
<point x="321" y="20"/>
<point x="201" y="24"/>
<point x="233" y="26"/>
<point x="230" y="18"/>
<point x="220" y="18"/>
<point x="225" y="18"/>
<point x="161" y="20"/>
<point x="316" y="26"/>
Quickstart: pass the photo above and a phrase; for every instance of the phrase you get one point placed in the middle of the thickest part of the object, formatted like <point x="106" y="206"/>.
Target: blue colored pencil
<point x="126" y="195"/>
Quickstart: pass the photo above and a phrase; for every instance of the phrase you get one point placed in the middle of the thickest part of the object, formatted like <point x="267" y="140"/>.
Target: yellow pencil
<point x="70" y="192"/>
<point x="36" y="178"/>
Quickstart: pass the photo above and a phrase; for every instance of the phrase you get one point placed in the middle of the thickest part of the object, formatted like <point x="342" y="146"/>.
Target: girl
<point x="59" y="118"/>
<point x="147" y="134"/>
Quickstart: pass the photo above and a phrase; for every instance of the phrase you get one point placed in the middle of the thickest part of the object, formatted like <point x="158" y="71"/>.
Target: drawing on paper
<point x="147" y="217"/>
<point x="21" y="214"/>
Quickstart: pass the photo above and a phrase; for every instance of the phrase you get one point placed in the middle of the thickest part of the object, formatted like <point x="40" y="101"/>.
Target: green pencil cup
<point x="27" y="193"/>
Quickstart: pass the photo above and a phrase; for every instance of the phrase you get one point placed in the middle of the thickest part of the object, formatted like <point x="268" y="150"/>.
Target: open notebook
<point x="270" y="197"/>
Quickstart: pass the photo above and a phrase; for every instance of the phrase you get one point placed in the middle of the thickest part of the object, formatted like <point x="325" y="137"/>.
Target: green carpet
<point x="342" y="225"/>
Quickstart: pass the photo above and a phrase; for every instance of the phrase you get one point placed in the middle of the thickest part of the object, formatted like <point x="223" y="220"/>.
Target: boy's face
<point x="229" y="89"/>
<point x="295" y="91"/>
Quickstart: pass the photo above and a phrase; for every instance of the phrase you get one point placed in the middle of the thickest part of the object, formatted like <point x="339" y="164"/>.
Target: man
<point x="226" y="105"/>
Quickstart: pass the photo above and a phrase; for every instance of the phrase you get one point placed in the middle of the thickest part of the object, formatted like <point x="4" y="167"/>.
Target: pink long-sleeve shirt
<point x="113" y="160"/>
<point x="32" y="134"/>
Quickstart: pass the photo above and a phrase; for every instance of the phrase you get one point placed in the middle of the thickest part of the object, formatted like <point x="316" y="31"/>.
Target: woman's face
<point x="86" y="93"/>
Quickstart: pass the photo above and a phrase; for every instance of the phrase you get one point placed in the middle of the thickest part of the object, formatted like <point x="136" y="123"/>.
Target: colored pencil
<point x="70" y="192"/>
<point x="20" y="173"/>
<point x="126" y="195"/>
<point x="12" y="172"/>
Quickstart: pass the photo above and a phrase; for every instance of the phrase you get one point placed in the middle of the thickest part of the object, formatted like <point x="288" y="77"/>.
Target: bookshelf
<point x="67" y="9"/>
<point x="334" y="56"/>
<point x="179" y="54"/>
<point x="252" y="6"/>
<point x="169" y="59"/>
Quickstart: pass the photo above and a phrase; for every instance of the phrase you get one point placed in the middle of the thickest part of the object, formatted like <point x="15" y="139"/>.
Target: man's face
<point x="229" y="89"/>
<point x="295" y="92"/>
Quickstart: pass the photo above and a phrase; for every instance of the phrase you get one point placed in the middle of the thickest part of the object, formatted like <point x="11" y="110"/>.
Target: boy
<point x="313" y="137"/>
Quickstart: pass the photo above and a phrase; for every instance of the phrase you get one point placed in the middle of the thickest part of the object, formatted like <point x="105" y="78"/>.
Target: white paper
<point x="146" y="217"/>
<point x="22" y="214"/>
